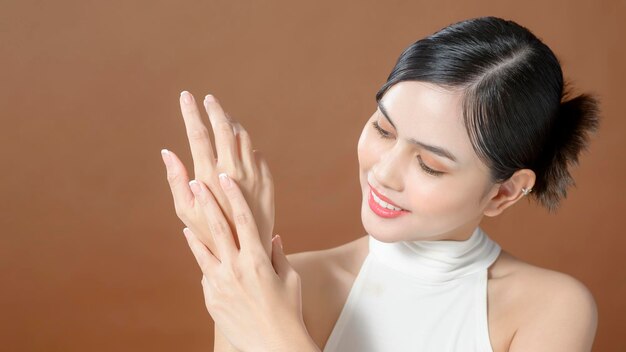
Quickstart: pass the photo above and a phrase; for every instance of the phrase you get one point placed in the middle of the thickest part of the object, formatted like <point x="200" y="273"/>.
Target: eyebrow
<point x="437" y="150"/>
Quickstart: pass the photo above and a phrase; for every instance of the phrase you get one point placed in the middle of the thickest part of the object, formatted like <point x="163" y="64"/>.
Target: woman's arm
<point x="236" y="157"/>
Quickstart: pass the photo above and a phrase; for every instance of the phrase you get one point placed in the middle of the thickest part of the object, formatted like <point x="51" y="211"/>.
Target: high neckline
<point x="438" y="261"/>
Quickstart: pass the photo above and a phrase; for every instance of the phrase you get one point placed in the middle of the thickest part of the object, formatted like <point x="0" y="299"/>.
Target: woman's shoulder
<point x="326" y="277"/>
<point x="540" y="301"/>
<point x="516" y="276"/>
<point x="324" y="264"/>
<point x="528" y="279"/>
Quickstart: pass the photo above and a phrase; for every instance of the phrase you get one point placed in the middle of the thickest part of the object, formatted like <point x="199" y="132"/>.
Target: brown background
<point x="92" y="256"/>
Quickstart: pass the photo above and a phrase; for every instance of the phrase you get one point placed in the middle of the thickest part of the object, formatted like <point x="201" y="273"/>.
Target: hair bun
<point x="577" y="118"/>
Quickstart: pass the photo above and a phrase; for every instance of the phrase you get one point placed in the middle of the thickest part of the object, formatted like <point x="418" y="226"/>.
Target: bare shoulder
<point x="325" y="264"/>
<point x="553" y="311"/>
<point x="326" y="277"/>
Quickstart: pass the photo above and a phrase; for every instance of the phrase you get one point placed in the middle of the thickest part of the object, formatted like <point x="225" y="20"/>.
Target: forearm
<point x="298" y="340"/>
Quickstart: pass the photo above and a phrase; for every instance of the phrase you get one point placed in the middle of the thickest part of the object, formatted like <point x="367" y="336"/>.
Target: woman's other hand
<point x="235" y="157"/>
<point x="255" y="301"/>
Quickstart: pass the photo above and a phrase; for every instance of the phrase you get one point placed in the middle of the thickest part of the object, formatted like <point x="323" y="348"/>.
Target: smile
<point x="384" y="204"/>
<point x="382" y="208"/>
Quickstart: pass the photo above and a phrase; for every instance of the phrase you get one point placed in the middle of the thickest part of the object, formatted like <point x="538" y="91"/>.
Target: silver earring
<point x="526" y="191"/>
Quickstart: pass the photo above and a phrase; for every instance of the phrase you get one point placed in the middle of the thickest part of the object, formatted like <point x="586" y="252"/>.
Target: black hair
<point x="516" y="107"/>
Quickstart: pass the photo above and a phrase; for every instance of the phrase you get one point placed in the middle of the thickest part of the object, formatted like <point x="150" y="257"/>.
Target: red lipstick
<point x="379" y="209"/>
<point x="383" y="197"/>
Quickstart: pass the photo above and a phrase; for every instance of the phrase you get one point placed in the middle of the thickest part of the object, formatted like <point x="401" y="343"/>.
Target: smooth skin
<point x="529" y="308"/>
<point x="248" y="168"/>
<point x="235" y="157"/>
<point x="268" y="312"/>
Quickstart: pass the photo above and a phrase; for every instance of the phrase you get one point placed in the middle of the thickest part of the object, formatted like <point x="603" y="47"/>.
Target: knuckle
<point x="180" y="212"/>
<point x="218" y="228"/>
<point x="268" y="178"/>
<point x="199" y="134"/>
<point x="242" y="219"/>
<point x="224" y="127"/>
<point x="245" y="137"/>
<point x="228" y="166"/>
<point x="293" y="277"/>
<point x="173" y="178"/>
<point x="202" y="198"/>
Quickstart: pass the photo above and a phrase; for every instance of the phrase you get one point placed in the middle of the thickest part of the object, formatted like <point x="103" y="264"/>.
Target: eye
<point x="381" y="132"/>
<point x="386" y="135"/>
<point x="427" y="169"/>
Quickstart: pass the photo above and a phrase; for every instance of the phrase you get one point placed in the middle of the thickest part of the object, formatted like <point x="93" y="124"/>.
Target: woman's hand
<point x="235" y="156"/>
<point x="255" y="303"/>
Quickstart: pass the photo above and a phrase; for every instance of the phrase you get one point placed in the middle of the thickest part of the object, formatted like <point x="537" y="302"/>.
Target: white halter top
<point x="419" y="296"/>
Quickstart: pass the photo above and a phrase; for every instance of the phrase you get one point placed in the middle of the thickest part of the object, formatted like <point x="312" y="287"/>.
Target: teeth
<point x="384" y="204"/>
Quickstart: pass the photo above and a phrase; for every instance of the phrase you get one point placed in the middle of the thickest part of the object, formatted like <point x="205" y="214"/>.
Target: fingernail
<point x="224" y="180"/>
<point x="195" y="187"/>
<point x="186" y="96"/>
<point x="167" y="158"/>
<point x="186" y="232"/>
<point x="209" y="98"/>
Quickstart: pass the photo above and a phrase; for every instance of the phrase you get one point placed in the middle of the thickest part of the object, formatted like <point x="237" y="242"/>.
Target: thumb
<point x="279" y="259"/>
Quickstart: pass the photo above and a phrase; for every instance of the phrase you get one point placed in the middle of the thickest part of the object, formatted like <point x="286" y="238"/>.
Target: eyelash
<point x="384" y="134"/>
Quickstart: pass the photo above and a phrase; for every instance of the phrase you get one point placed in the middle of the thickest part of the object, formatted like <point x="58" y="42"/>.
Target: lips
<point x="387" y="200"/>
<point x="382" y="211"/>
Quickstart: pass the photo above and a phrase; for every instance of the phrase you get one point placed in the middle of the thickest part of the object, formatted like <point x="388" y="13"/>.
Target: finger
<point x="267" y="182"/>
<point x="218" y="225"/>
<point x="279" y="259"/>
<point x="199" y="137"/>
<point x="178" y="180"/>
<point x="245" y="224"/>
<point x="205" y="259"/>
<point x="245" y="150"/>
<point x="225" y="142"/>
<point x="264" y="170"/>
<point x="267" y="200"/>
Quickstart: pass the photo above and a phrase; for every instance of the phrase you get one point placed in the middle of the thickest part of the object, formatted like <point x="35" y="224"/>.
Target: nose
<point x="390" y="168"/>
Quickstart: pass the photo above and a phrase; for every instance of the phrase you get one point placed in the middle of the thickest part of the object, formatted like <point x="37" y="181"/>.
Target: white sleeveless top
<point x="419" y="296"/>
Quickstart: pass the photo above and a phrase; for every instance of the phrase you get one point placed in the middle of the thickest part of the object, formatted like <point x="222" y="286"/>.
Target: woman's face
<point x="441" y="198"/>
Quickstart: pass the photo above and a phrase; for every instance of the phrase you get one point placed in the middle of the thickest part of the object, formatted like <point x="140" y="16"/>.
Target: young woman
<point x="471" y="119"/>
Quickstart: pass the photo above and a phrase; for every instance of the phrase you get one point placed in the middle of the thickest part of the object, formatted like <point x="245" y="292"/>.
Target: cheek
<point x="450" y="197"/>
<point x="367" y="150"/>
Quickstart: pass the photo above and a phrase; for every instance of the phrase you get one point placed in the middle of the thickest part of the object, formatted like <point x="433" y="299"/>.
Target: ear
<point x="509" y="192"/>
